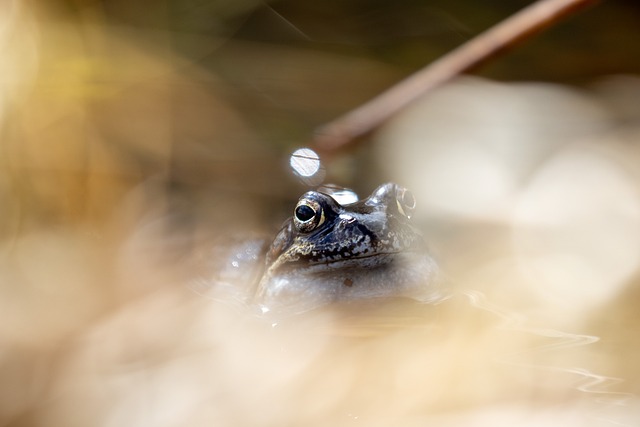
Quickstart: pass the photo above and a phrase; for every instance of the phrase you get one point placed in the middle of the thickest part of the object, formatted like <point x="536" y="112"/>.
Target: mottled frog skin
<point x="330" y="252"/>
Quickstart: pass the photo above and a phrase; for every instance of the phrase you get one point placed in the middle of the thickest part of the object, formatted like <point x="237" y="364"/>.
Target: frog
<point x="328" y="252"/>
<point x="333" y="248"/>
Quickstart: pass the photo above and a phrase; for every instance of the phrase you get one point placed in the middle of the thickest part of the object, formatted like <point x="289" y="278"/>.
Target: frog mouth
<point x="361" y="261"/>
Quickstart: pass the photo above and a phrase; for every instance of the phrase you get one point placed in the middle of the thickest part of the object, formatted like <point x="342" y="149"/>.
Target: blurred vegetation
<point x="132" y="130"/>
<point x="211" y="96"/>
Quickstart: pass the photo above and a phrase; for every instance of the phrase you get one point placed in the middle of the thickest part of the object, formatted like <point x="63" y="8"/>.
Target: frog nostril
<point x="405" y="201"/>
<point x="408" y="199"/>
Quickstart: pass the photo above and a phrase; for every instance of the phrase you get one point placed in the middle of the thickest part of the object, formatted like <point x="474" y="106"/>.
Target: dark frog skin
<point x="331" y="252"/>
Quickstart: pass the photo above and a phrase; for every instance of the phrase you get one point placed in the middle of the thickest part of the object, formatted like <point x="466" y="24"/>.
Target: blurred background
<point x="134" y="133"/>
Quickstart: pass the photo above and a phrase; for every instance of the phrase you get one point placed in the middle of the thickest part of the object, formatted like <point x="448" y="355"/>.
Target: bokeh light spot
<point x="306" y="164"/>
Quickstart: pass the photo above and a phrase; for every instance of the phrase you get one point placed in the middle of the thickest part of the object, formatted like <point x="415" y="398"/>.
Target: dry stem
<point x="363" y="120"/>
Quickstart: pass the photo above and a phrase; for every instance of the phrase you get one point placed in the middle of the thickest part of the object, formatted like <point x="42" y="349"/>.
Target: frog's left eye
<point x="406" y="202"/>
<point x="308" y="215"/>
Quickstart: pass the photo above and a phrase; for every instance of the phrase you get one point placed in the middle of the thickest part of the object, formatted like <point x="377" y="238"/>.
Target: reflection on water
<point x="590" y="382"/>
<point x="119" y="159"/>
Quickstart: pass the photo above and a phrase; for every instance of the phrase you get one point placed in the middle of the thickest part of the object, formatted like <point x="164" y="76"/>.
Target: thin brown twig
<point x="363" y="120"/>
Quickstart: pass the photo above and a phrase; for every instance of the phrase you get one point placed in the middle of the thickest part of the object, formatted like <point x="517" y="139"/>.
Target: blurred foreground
<point x="120" y="159"/>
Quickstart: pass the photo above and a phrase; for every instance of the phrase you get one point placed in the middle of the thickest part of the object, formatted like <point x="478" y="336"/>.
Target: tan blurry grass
<point x="97" y="326"/>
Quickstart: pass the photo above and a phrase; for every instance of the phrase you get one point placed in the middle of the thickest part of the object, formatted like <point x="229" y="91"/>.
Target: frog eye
<point x="308" y="215"/>
<point x="406" y="202"/>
